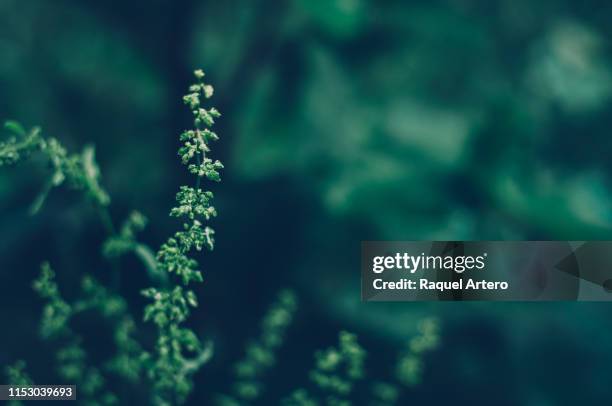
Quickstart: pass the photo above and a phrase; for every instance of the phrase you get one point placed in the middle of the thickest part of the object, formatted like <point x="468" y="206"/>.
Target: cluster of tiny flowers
<point x="337" y="368"/>
<point x="194" y="204"/>
<point x="71" y="358"/>
<point x="16" y="375"/>
<point x="56" y="311"/>
<point x="410" y="363"/>
<point x="77" y="171"/>
<point x="409" y="369"/>
<point x="169" y="366"/>
<point x="336" y="371"/>
<point x="20" y="144"/>
<point x="125" y="241"/>
<point x="260" y="354"/>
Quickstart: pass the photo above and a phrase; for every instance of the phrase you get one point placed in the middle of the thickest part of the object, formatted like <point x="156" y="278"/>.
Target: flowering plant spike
<point x="178" y="351"/>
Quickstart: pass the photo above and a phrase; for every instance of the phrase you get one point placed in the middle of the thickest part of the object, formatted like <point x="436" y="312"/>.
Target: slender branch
<point x="147" y="257"/>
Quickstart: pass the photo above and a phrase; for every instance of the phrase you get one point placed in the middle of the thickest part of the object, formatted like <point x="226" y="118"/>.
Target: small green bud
<point x="208" y="91"/>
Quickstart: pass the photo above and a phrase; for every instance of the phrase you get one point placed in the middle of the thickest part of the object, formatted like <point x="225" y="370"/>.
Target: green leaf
<point x="15" y="128"/>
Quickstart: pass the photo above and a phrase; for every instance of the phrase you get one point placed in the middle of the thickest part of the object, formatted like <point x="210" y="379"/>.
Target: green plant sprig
<point x="78" y="172"/>
<point x="336" y="371"/>
<point x="170" y="367"/>
<point x="409" y="367"/>
<point x="71" y="357"/>
<point x="261" y="353"/>
<point x="126" y="362"/>
<point x="125" y="241"/>
<point x="16" y="375"/>
<point x="410" y="363"/>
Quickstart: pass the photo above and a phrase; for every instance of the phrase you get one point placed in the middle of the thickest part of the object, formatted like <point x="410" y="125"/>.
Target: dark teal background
<point x="343" y="121"/>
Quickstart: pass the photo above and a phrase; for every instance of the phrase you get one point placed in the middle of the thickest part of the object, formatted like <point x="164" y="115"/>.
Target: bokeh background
<point x="343" y="121"/>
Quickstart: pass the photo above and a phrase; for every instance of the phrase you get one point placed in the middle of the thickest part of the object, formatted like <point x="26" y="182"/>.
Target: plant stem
<point x="147" y="257"/>
<point x="107" y="220"/>
<point x="198" y="176"/>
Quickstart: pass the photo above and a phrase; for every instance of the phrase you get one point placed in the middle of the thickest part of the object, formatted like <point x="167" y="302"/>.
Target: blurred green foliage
<point x="345" y="120"/>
